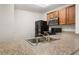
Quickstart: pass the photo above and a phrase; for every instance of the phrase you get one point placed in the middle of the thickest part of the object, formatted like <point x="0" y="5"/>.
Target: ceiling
<point x="42" y="8"/>
<point x="43" y="5"/>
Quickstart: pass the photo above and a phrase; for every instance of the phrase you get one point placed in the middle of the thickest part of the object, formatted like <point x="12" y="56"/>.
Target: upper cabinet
<point x="51" y="15"/>
<point x="55" y="14"/>
<point x="65" y="15"/>
<point x="71" y="14"/>
<point x="62" y="16"/>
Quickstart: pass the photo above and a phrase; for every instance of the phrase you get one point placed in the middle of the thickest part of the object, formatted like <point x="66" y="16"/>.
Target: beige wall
<point x="16" y="23"/>
<point x="7" y="22"/>
<point x="77" y="18"/>
<point x="25" y="23"/>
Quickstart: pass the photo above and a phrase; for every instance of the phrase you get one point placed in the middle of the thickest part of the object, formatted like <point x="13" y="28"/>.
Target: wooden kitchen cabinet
<point x="62" y="16"/>
<point x="55" y="14"/>
<point x="51" y="15"/>
<point x="48" y="16"/>
<point x="70" y="15"/>
<point x="65" y="15"/>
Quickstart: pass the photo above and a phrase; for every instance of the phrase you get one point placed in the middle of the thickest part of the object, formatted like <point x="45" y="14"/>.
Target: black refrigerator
<point x="40" y="27"/>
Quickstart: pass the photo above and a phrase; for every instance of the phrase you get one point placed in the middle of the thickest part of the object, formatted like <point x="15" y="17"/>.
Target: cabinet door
<point x="62" y="16"/>
<point x="51" y="15"/>
<point x="48" y="16"/>
<point x="55" y="14"/>
<point x="71" y="15"/>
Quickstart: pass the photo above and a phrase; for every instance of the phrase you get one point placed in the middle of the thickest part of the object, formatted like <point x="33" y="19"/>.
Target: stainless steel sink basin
<point x="37" y="40"/>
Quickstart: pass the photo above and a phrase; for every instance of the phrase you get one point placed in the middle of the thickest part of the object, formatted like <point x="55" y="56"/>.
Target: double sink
<point x="37" y="40"/>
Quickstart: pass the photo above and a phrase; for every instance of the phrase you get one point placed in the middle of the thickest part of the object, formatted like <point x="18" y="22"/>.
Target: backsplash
<point x="64" y="27"/>
<point x="68" y="28"/>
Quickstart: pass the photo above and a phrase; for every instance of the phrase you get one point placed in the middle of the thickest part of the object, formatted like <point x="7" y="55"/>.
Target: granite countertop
<point x="64" y="46"/>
